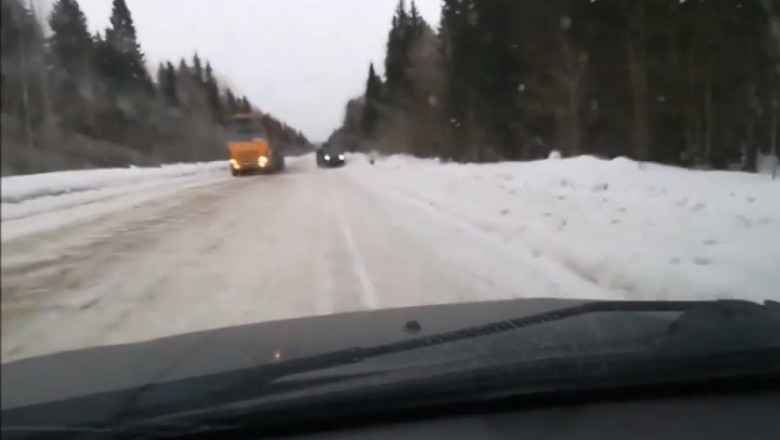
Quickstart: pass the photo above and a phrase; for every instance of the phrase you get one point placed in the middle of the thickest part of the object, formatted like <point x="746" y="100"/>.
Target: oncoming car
<point x="329" y="156"/>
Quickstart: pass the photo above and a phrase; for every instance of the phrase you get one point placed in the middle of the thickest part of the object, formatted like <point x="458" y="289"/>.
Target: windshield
<point x="190" y="188"/>
<point x="244" y="129"/>
<point x="244" y="125"/>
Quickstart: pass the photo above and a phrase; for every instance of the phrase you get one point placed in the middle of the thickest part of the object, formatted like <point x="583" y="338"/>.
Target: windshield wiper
<point x="182" y="395"/>
<point x="249" y="381"/>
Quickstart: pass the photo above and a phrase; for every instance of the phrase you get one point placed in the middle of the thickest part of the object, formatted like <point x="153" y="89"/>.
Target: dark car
<point x="329" y="156"/>
<point x="526" y="368"/>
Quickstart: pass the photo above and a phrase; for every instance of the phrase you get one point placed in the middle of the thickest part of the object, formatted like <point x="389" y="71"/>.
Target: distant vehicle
<point x="250" y="149"/>
<point x="329" y="156"/>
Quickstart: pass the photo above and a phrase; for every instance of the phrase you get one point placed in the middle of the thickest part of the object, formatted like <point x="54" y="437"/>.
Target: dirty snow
<point x="202" y="250"/>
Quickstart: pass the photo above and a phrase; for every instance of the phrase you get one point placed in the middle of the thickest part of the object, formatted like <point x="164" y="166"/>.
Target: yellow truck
<point x="250" y="148"/>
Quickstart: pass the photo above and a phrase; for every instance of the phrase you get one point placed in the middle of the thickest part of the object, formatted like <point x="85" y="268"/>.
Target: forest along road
<point x="230" y="251"/>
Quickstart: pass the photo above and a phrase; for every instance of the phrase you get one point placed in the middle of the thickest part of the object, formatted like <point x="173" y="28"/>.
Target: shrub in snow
<point x="554" y="154"/>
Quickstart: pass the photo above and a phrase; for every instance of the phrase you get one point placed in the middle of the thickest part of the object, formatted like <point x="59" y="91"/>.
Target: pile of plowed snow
<point x="17" y="189"/>
<point x="27" y="195"/>
<point x="641" y="229"/>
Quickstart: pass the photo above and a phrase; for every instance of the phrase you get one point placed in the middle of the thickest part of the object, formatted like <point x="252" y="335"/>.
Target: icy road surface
<point x="97" y="258"/>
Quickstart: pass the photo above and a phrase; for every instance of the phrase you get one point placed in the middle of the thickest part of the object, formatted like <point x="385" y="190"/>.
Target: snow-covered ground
<point x="640" y="230"/>
<point x="112" y="256"/>
<point x="20" y="188"/>
<point x="70" y="196"/>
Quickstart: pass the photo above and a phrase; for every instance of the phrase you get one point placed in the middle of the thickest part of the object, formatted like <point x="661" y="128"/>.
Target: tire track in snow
<point x="368" y="294"/>
<point x="118" y="231"/>
<point x="255" y="269"/>
<point x="325" y="295"/>
<point x="91" y="271"/>
<point x="553" y="269"/>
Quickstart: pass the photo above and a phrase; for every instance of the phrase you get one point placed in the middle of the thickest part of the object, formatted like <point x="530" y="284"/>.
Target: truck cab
<point x="250" y="148"/>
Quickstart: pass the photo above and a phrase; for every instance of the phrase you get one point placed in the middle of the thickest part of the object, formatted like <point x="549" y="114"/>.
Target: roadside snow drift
<point x="68" y="196"/>
<point x="17" y="189"/>
<point x="640" y="230"/>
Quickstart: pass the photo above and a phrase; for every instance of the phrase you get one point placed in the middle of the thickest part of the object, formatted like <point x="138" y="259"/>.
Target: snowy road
<point x="199" y="252"/>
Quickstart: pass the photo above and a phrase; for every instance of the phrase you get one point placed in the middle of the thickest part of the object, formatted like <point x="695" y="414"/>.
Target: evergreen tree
<point x="107" y="60"/>
<point x="183" y="67"/>
<point x="101" y="116"/>
<point x="373" y="98"/>
<point x="101" y="55"/>
<point x="212" y="94"/>
<point x="71" y="41"/>
<point x="395" y="59"/>
<point x="161" y="76"/>
<point x="169" y="87"/>
<point x="458" y="41"/>
<point x="416" y="21"/>
<point x="197" y="69"/>
<point x="231" y="103"/>
<point x="663" y="80"/>
<point x="244" y="105"/>
<point x="129" y="65"/>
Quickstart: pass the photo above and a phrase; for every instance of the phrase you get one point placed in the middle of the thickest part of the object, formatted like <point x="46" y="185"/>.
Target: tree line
<point x="694" y="83"/>
<point x="75" y="99"/>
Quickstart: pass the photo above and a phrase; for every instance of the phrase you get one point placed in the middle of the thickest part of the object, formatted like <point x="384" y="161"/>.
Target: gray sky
<point x="300" y="60"/>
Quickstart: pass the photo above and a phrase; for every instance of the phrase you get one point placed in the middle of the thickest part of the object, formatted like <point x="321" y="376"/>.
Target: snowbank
<point x="53" y="193"/>
<point x="16" y="189"/>
<point x="641" y="230"/>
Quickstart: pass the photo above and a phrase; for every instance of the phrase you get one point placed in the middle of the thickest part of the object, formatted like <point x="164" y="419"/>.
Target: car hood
<point x="104" y="369"/>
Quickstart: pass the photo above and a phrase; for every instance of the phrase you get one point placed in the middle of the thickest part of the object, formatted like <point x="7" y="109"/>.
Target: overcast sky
<point x="300" y="60"/>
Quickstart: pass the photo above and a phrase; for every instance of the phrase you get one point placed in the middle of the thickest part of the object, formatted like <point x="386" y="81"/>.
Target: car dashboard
<point x="735" y="416"/>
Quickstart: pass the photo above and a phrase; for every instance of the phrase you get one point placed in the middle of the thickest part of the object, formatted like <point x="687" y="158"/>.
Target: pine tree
<point x="129" y="70"/>
<point x="416" y="23"/>
<point x="395" y="59"/>
<point x="71" y="41"/>
<point x="161" y="80"/>
<point x="100" y="59"/>
<point x="191" y="93"/>
<point x="197" y="69"/>
<point x="212" y="94"/>
<point x="95" y="83"/>
<point x="231" y="103"/>
<point x="244" y="105"/>
<point x="373" y="98"/>
<point x="161" y="76"/>
<point x="169" y="87"/>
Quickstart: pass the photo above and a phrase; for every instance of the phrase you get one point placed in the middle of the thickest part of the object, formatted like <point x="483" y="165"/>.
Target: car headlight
<point x="262" y="161"/>
<point x="341" y="157"/>
<point x="234" y="163"/>
<point x="327" y="157"/>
